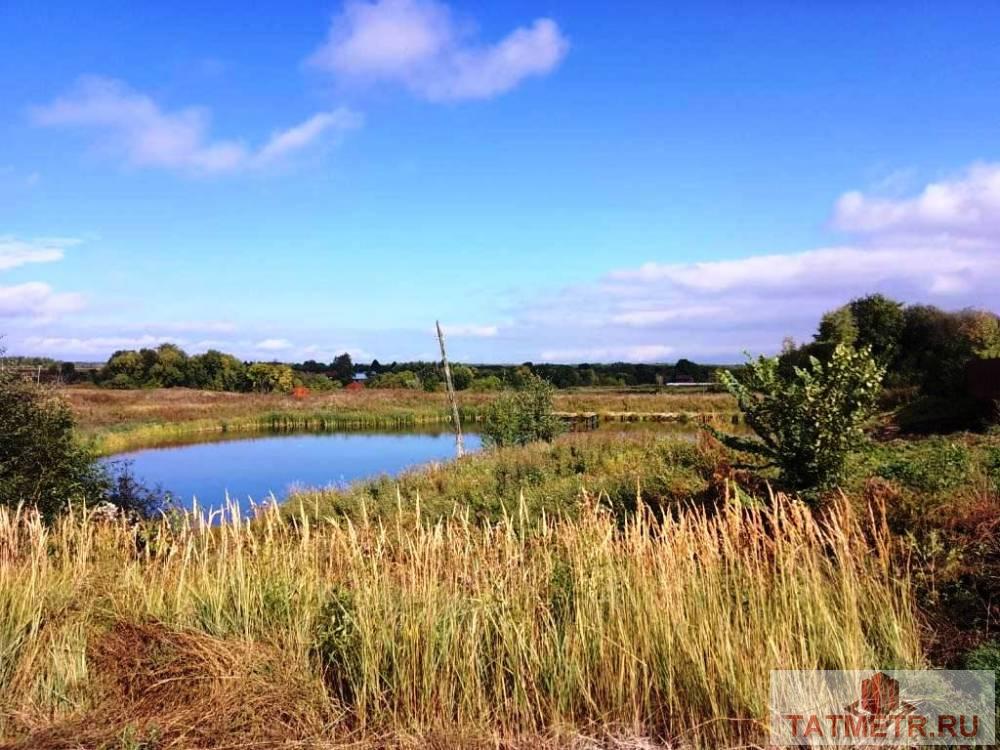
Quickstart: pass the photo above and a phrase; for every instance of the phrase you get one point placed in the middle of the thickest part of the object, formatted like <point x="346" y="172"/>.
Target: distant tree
<point x="522" y="416"/>
<point x="519" y="377"/>
<point x="487" y="383"/>
<point x="430" y="377"/>
<point x="462" y="377"/>
<point x="587" y="376"/>
<point x="267" y="377"/>
<point x="807" y="424"/>
<point x="342" y="368"/>
<point x="696" y="372"/>
<point x="169" y="369"/>
<point x="401" y="379"/>
<point x="124" y="369"/>
<point x="375" y="367"/>
<point x="216" y="371"/>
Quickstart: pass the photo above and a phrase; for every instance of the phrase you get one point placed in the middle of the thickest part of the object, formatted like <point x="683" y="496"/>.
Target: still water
<point x="254" y="468"/>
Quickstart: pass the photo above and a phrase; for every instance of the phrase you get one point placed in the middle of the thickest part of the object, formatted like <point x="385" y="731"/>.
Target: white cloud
<point x="100" y="346"/>
<point x="295" y="138"/>
<point x="137" y="129"/>
<point x="913" y="249"/>
<point x="419" y="44"/>
<point x="649" y="317"/>
<point x="468" y="330"/>
<point x="36" y="301"/>
<point x="968" y="206"/>
<point x="273" y="345"/>
<point x="15" y="252"/>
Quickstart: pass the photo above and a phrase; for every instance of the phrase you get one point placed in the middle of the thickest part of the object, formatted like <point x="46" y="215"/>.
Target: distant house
<point x="360" y="377"/>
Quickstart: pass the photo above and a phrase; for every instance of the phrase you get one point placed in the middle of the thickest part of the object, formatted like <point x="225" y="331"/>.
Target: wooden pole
<point x="459" y="445"/>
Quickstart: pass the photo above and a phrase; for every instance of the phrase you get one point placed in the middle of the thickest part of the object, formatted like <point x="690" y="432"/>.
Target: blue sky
<point x="557" y="181"/>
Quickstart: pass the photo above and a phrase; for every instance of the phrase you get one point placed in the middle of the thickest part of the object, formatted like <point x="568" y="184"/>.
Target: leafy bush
<point x="807" y="423"/>
<point x="40" y="462"/>
<point x="486" y="384"/>
<point x="462" y="377"/>
<point x="522" y="416"/>
<point x="402" y="379"/>
<point x="932" y="466"/>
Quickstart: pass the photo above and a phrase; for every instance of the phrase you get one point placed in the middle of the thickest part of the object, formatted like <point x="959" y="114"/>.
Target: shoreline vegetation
<point x="525" y="631"/>
<point x="603" y="590"/>
<point x="118" y="421"/>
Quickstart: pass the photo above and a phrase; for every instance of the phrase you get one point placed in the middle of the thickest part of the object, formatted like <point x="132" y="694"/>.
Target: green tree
<point x="40" y="462"/>
<point x="462" y="377"/>
<point x="806" y="424"/>
<point x="487" y="383"/>
<point x="522" y="416"/>
<point x="124" y="369"/>
<point x="879" y="323"/>
<point x="342" y="368"/>
<point x="267" y="377"/>
<point x="216" y="371"/>
<point x="170" y="368"/>
<point x="982" y="329"/>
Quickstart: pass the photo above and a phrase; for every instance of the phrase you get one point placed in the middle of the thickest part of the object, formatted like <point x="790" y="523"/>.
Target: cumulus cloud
<point x="134" y="127"/>
<point x="940" y="246"/>
<point x="15" y="252"/>
<point x="420" y="45"/>
<point x="968" y="205"/>
<point x="98" y="346"/>
<point x="36" y="301"/>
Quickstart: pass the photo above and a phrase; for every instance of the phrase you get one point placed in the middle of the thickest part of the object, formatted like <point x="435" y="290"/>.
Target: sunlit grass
<point x="529" y="626"/>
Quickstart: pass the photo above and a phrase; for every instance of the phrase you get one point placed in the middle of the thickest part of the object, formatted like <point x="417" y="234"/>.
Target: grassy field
<point x="114" y="421"/>
<point x="533" y="630"/>
<point x="609" y="590"/>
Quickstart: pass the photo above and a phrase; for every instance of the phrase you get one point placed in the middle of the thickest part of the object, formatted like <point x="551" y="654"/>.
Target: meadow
<point x="610" y="589"/>
<point x="113" y="421"/>
<point x="530" y="630"/>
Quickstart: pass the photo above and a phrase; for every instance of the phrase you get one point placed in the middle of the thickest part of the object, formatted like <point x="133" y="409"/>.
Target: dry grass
<point x="122" y="420"/>
<point x="521" y="633"/>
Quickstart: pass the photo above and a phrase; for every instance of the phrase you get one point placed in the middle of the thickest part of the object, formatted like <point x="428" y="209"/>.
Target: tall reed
<point x="529" y="627"/>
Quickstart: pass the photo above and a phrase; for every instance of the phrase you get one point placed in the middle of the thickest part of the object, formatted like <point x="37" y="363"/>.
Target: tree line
<point x="169" y="366"/>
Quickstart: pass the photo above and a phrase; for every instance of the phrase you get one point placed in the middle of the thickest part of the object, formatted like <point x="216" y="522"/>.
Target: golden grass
<point x="114" y="421"/>
<point x="485" y="634"/>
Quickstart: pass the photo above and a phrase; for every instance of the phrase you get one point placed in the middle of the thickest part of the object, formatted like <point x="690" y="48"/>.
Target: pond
<point x="254" y="468"/>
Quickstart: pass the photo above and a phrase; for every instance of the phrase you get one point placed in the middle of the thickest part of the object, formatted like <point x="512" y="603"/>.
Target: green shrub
<point x="935" y="465"/>
<point x="808" y="422"/>
<point x="486" y="384"/>
<point x="522" y="416"/>
<point x="991" y="464"/>
<point x="40" y="461"/>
